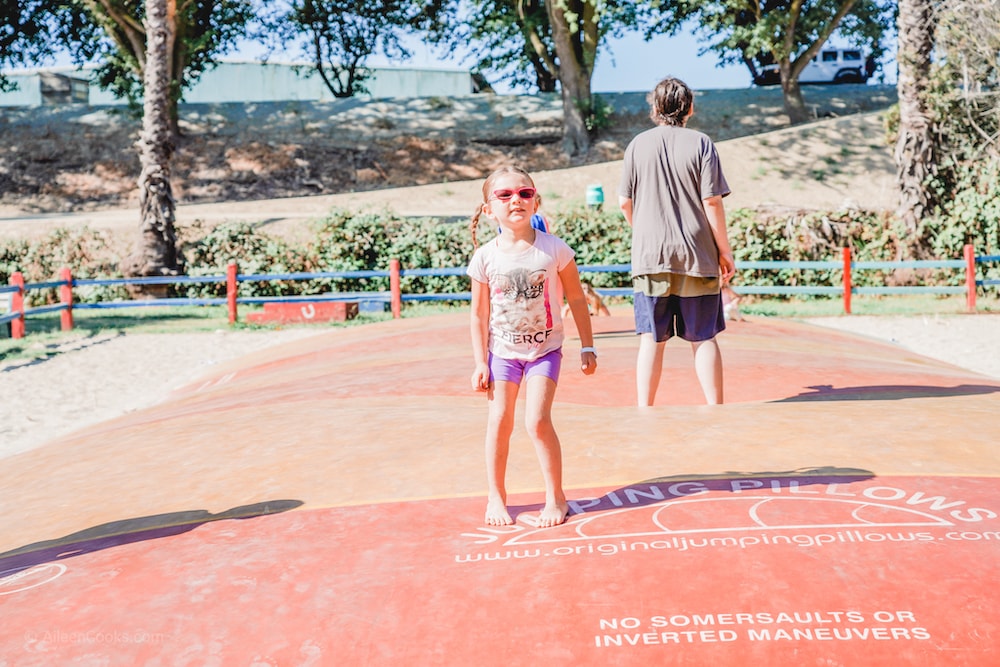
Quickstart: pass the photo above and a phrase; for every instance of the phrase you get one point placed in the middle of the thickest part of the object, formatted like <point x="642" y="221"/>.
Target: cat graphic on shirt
<point x="524" y="310"/>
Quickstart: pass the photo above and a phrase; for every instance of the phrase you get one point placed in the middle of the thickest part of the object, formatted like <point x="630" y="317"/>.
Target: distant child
<point x="731" y="303"/>
<point x="519" y="279"/>
<point x="595" y="304"/>
<point x="538" y="220"/>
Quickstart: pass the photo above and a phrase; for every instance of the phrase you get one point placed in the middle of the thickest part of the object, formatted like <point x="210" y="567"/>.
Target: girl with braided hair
<point x="519" y="279"/>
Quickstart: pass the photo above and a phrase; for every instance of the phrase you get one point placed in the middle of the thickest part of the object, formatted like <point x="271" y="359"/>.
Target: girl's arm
<point x="577" y="301"/>
<point x="480" y="328"/>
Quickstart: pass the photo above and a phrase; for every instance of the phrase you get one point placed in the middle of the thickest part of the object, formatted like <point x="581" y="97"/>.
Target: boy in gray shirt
<point x="671" y="193"/>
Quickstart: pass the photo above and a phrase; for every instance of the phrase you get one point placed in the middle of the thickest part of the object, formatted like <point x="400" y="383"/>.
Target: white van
<point x="828" y="66"/>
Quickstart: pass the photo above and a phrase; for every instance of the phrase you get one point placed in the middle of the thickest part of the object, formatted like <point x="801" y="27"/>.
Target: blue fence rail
<point x="17" y="313"/>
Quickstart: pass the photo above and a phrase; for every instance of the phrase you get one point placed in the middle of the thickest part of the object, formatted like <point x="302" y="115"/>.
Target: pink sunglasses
<point x="524" y="193"/>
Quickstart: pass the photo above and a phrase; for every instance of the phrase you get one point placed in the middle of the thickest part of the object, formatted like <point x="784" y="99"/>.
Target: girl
<point x="519" y="279"/>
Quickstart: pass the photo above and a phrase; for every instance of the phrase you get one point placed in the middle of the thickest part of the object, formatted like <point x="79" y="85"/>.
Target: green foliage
<point x="963" y="101"/>
<point x="85" y="251"/>
<point x="760" y="33"/>
<point x="367" y="241"/>
<point x="512" y="46"/>
<point x="599" y="116"/>
<point x="513" y="41"/>
<point x="111" y="34"/>
<point x="599" y="238"/>
<point x="25" y="36"/>
<point x="254" y="253"/>
<point x="428" y="243"/>
<point x="971" y="214"/>
<point x="339" y="36"/>
<point x="762" y="235"/>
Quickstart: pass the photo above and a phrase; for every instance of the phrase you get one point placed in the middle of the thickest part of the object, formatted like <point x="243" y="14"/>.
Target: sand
<point x="91" y="380"/>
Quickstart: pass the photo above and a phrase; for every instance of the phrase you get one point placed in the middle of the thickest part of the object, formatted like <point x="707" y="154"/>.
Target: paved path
<point x="320" y="503"/>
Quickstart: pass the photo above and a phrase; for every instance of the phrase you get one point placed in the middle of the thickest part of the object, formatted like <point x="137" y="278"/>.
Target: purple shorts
<point x="514" y="370"/>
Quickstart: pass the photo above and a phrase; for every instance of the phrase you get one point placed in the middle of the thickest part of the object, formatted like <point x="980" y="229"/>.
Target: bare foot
<point x="497" y="514"/>
<point x="553" y="515"/>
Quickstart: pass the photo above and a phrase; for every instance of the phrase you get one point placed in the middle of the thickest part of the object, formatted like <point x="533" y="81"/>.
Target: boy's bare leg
<point x="648" y="368"/>
<point x="500" y="424"/>
<point x="538" y="421"/>
<point x="708" y="367"/>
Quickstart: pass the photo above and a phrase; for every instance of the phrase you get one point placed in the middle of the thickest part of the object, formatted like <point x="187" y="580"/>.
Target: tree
<point x="201" y="30"/>
<point x="579" y="27"/>
<point x="340" y="35"/>
<point x="157" y="253"/>
<point x="554" y="40"/>
<point x="950" y="191"/>
<point x="575" y="32"/>
<point x="788" y="33"/>
<point x="968" y="81"/>
<point x="914" y="153"/>
<point x="513" y="40"/>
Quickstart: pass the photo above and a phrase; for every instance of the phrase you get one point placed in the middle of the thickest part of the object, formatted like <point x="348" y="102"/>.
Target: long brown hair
<point x="488" y="190"/>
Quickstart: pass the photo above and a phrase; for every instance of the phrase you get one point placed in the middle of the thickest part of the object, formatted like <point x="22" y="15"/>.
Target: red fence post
<point x="847" y="281"/>
<point x="970" y="278"/>
<point x="66" y="298"/>
<point x="397" y="293"/>
<point x="231" y="287"/>
<point x="17" y="305"/>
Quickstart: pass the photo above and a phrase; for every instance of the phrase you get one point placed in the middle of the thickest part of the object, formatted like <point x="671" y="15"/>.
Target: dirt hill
<point x="287" y="161"/>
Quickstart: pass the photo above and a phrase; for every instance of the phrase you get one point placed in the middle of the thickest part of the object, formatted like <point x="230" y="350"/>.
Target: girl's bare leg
<point x="708" y="367"/>
<point x="648" y="368"/>
<point x="538" y="421"/>
<point x="500" y="424"/>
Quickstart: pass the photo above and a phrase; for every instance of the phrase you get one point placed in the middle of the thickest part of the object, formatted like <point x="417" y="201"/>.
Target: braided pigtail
<point x="475" y="223"/>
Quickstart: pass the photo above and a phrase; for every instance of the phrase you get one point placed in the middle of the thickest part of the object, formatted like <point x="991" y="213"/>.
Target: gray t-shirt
<point x="668" y="171"/>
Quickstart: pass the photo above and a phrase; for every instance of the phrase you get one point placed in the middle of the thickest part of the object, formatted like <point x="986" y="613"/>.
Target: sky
<point x="627" y="64"/>
<point x="630" y="64"/>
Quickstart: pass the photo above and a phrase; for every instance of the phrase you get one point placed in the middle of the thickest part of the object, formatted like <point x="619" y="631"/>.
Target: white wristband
<point x="592" y="350"/>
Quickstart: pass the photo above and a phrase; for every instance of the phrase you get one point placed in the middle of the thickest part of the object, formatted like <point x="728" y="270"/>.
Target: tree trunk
<point x="914" y="152"/>
<point x="576" y="101"/>
<point x="795" y="106"/>
<point x="576" y="52"/>
<point x="157" y="251"/>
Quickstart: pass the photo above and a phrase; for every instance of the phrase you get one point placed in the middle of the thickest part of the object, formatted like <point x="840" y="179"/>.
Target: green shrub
<point x="85" y="251"/>
<point x="970" y="215"/>
<point x="872" y="236"/>
<point x="598" y="237"/>
<point x="254" y="253"/>
<point x="366" y="241"/>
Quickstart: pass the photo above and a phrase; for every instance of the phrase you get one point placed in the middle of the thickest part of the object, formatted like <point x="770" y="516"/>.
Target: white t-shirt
<point x="526" y="295"/>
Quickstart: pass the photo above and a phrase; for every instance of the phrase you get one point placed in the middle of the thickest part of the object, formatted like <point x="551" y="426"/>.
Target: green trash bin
<point x="595" y="196"/>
